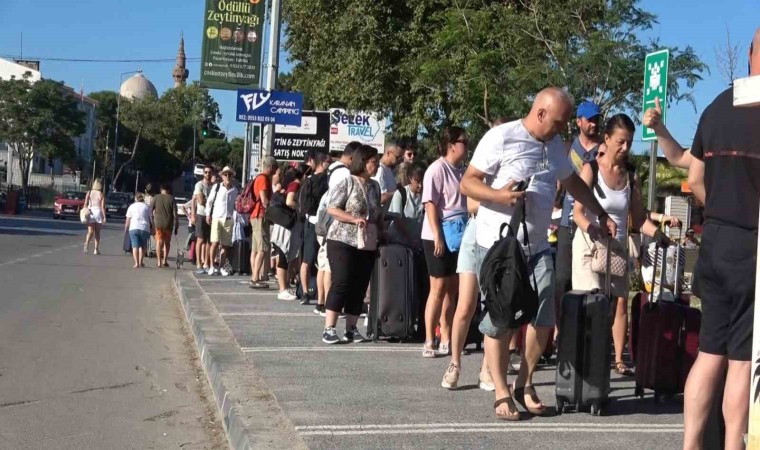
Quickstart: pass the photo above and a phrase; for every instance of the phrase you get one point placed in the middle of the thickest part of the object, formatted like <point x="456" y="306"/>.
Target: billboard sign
<point x="313" y="133"/>
<point x="231" y="43"/>
<point x="282" y="108"/>
<point x="363" y="127"/>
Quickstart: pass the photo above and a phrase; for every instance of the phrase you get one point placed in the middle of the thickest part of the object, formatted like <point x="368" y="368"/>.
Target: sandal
<point x="513" y="415"/>
<point x="520" y="393"/>
<point x="622" y="369"/>
<point x="428" y="351"/>
<point x="443" y="349"/>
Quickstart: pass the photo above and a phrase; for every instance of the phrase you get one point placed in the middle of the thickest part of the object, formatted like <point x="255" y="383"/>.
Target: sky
<point x="137" y="29"/>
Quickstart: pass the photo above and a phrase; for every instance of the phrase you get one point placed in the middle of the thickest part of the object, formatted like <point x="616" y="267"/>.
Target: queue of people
<point x="451" y="214"/>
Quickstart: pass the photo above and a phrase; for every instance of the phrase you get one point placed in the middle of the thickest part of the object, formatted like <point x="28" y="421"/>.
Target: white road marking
<point x="267" y="314"/>
<point x="366" y="347"/>
<point x="253" y="293"/>
<point x="221" y="280"/>
<point x="365" y="427"/>
<point x="554" y="429"/>
<point x="41" y="230"/>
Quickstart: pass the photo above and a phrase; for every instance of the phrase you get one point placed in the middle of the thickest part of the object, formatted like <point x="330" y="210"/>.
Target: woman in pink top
<point x="443" y="202"/>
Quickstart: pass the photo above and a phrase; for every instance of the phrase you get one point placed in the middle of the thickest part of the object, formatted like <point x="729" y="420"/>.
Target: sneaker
<point x="365" y="310"/>
<point x="485" y="381"/>
<point x="353" y="335"/>
<point x="201" y="272"/>
<point x="211" y="271"/>
<point x="306" y="299"/>
<point x="451" y="377"/>
<point x="514" y="363"/>
<point x="319" y="310"/>
<point x="342" y="315"/>
<point x="443" y="349"/>
<point x="224" y="272"/>
<point x="330" y="336"/>
<point x="286" y="295"/>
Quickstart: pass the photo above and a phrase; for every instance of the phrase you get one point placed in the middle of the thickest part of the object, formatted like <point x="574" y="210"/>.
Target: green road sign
<point x="655" y="85"/>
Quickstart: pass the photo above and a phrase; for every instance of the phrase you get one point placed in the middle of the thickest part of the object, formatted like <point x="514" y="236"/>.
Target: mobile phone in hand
<point x="521" y="185"/>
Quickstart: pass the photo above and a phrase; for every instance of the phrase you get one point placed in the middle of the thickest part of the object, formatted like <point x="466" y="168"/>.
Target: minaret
<point x="180" y="73"/>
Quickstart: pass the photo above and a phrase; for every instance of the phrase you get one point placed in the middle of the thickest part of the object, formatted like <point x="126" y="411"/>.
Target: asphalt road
<point x="93" y="354"/>
<point x="385" y="395"/>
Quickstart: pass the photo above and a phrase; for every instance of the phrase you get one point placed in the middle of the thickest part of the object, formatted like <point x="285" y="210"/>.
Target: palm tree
<point x="669" y="178"/>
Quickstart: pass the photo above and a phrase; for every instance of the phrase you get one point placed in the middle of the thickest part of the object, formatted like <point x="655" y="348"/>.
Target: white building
<point x="42" y="172"/>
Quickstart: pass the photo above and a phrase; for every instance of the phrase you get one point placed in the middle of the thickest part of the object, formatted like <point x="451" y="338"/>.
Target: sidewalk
<point x="382" y="395"/>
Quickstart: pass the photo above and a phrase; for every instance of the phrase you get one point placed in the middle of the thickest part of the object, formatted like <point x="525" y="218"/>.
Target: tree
<point x="38" y="119"/>
<point x="668" y="178"/>
<point x="221" y="153"/>
<point x="235" y="159"/>
<point x="144" y="116"/>
<point x="185" y="108"/>
<point x="727" y="58"/>
<point x="430" y="63"/>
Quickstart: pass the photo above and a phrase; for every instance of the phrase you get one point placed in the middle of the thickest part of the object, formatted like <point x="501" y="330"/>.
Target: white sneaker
<point x="224" y="272"/>
<point x="286" y="295"/>
<point x="212" y="271"/>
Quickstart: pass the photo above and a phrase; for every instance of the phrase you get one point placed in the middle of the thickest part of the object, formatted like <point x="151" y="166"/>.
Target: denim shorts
<point x="543" y="267"/>
<point x="139" y="238"/>
<point x="467" y="259"/>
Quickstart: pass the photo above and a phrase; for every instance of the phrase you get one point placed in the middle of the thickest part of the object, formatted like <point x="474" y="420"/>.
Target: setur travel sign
<point x="231" y="50"/>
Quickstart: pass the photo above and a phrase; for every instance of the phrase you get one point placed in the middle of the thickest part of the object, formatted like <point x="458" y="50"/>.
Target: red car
<point x="68" y="204"/>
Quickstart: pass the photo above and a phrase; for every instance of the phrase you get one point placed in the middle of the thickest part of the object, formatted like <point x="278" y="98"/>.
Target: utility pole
<point x="272" y="70"/>
<point x="652" y="175"/>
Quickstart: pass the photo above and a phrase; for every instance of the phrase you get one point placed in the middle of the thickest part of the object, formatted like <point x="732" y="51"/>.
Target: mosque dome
<point x="138" y="87"/>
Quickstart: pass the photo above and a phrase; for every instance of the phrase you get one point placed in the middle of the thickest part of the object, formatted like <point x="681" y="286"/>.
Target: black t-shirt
<point x="728" y="141"/>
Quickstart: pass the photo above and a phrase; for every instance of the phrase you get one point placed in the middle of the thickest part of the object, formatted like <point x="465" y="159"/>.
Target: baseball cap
<point x="588" y="110"/>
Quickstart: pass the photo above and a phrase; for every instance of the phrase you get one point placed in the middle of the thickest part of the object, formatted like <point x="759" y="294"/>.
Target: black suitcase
<point x="583" y="350"/>
<point x="241" y="257"/>
<point x="127" y="245"/>
<point x="393" y="294"/>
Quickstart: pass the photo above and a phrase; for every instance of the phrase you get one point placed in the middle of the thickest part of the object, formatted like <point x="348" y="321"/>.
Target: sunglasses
<point x="462" y="141"/>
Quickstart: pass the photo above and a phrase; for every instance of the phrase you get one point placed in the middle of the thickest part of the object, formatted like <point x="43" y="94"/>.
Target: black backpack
<point x="311" y="193"/>
<point x="511" y="300"/>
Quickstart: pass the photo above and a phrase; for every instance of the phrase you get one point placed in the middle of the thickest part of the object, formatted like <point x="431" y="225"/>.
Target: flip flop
<point x="514" y="414"/>
<point x="519" y="395"/>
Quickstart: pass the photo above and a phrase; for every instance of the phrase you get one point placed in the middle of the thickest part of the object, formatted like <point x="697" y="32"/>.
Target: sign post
<point x="231" y="50"/>
<point x="655" y="87"/>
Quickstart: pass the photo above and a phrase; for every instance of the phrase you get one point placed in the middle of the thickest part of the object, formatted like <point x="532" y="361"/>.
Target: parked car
<point x="117" y="203"/>
<point x="179" y="201"/>
<point x="68" y="204"/>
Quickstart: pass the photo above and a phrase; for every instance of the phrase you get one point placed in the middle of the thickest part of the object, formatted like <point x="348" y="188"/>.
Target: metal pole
<point x="246" y="153"/>
<point x="272" y="69"/>
<point x="195" y="135"/>
<point x="652" y="175"/>
<point x="137" y="181"/>
<point x="115" y="140"/>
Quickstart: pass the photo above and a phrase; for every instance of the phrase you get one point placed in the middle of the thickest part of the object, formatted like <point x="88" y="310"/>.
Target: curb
<point x="252" y="416"/>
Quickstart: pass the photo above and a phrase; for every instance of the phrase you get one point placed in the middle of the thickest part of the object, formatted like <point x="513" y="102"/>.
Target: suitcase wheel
<point x="560" y="406"/>
<point x="639" y="392"/>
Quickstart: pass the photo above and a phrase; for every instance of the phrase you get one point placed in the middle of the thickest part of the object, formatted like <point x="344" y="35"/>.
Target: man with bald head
<point x="392" y="156"/>
<point x="530" y="149"/>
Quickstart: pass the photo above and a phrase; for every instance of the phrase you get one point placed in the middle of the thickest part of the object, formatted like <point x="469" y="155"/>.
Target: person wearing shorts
<point x="260" y="232"/>
<point x="221" y="207"/>
<point x="138" y="223"/>
<point x="526" y="150"/>
<point x="442" y="199"/>
<point x="165" y="221"/>
<point x="198" y="218"/>
<point x="724" y="163"/>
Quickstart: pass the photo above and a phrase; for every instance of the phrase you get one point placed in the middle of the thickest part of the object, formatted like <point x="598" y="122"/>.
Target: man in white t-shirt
<point x="198" y="218"/>
<point x="385" y="178"/>
<point x="527" y="149"/>
<point x="221" y="205"/>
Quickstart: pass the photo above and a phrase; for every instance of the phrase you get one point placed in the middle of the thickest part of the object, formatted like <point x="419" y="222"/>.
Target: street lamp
<point x="116" y="131"/>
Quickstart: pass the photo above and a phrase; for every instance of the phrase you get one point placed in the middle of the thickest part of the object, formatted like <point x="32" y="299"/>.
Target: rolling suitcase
<point x="668" y="349"/>
<point x="583" y="349"/>
<point x="393" y="294"/>
<point x="241" y="260"/>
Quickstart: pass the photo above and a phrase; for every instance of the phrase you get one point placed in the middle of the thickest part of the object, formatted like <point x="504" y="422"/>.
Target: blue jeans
<point x="543" y="267"/>
<point x="139" y="238"/>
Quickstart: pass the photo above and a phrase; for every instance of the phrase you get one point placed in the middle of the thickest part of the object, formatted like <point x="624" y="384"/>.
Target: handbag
<point x="366" y="237"/>
<point x="84" y="215"/>
<point x="453" y="230"/>
<point x="618" y="260"/>
<point x="281" y="215"/>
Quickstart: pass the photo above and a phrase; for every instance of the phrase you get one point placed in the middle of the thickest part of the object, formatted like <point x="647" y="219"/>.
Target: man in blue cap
<point x="582" y="150"/>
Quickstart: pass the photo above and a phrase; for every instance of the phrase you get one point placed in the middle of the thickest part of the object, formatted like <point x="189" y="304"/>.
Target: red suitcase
<point x="667" y="349"/>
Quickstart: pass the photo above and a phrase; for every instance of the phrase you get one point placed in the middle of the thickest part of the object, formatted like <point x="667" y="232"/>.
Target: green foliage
<point x="221" y="153"/>
<point x="430" y="63"/>
<point x="39" y="119"/>
<point x="668" y="178"/>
